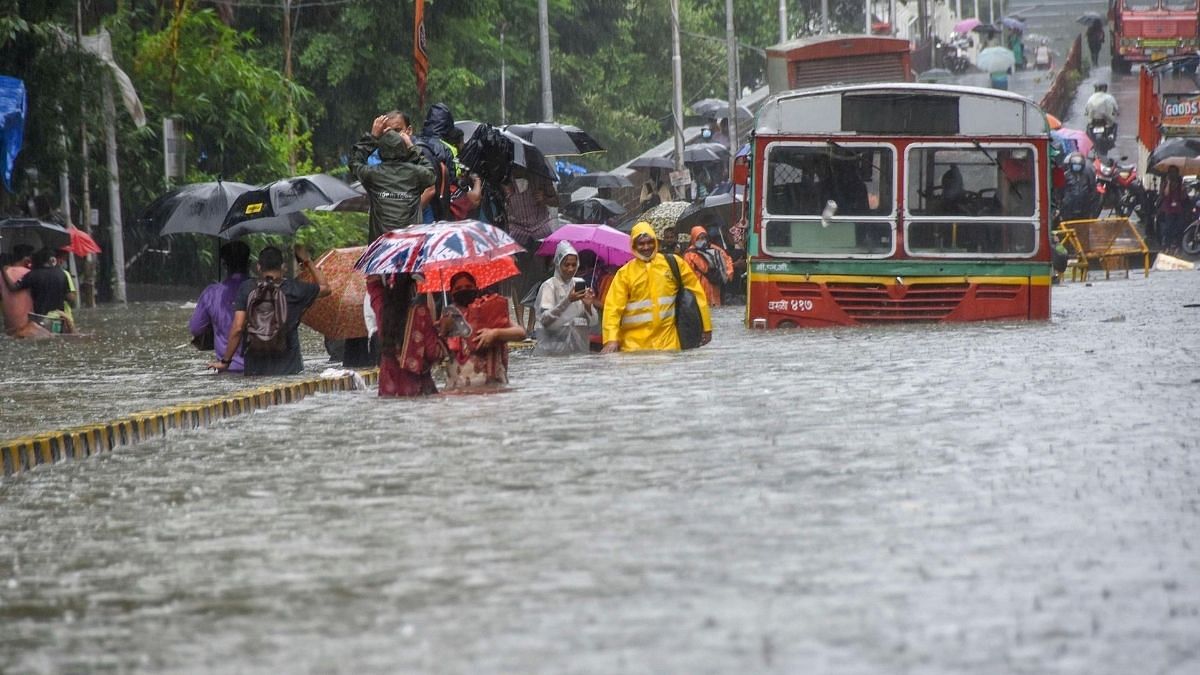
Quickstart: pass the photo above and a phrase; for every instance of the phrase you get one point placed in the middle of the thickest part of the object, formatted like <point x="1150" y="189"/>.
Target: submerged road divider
<point x="22" y="454"/>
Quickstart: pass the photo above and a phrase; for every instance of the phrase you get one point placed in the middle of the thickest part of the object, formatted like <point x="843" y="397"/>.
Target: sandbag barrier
<point x="22" y="454"/>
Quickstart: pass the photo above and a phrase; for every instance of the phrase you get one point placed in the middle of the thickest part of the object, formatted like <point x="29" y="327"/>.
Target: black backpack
<point x="266" y="319"/>
<point x="442" y="163"/>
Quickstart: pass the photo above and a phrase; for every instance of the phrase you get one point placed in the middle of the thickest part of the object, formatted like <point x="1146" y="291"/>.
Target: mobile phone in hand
<point x="580" y="285"/>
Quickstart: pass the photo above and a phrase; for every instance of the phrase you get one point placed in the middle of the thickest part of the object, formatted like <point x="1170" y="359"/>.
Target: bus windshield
<point x="828" y="199"/>
<point x="969" y="200"/>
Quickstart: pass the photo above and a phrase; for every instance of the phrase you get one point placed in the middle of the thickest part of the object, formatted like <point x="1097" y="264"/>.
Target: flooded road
<point x="987" y="498"/>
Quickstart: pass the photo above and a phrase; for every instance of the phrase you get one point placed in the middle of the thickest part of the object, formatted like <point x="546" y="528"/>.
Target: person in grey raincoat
<point x="564" y="306"/>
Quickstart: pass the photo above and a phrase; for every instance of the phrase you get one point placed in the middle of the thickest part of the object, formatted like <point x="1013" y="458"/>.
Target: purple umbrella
<point x="608" y="244"/>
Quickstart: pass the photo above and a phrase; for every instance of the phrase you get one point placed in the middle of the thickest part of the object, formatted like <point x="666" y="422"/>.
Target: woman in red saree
<point x="409" y="346"/>
<point x="478" y="360"/>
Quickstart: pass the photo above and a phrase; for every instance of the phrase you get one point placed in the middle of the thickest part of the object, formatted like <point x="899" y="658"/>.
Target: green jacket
<point x="393" y="186"/>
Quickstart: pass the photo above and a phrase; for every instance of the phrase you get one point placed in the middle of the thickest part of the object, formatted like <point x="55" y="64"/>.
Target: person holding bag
<point x="647" y="293"/>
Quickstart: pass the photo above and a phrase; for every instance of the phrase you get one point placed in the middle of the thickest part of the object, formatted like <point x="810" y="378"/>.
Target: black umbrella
<point x="603" y="179"/>
<point x="49" y="234"/>
<point x="1182" y="153"/>
<point x="645" y="162"/>
<point x="704" y="152"/>
<point x="715" y="108"/>
<point x="1089" y="18"/>
<point x="593" y="210"/>
<point x="358" y="203"/>
<point x="556" y="139"/>
<point x="522" y="153"/>
<point x="286" y="225"/>
<point x="198" y="208"/>
<point x="289" y="195"/>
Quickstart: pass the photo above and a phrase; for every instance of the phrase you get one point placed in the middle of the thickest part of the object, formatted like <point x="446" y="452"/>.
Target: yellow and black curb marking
<point x="20" y="454"/>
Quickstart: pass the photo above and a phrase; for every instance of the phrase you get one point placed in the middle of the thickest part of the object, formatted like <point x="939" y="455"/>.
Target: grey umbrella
<point x="715" y="108"/>
<point x="704" y="152"/>
<point x="197" y="208"/>
<point x="602" y="179"/>
<point x="645" y="162"/>
<point x="49" y="234"/>
<point x="286" y="225"/>
<point x="286" y="196"/>
<point x="556" y="139"/>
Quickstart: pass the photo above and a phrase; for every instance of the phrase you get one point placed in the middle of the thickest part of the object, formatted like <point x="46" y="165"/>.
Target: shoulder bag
<point x="687" y="310"/>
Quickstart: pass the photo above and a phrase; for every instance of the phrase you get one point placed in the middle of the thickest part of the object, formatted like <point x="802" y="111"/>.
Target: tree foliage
<point x="220" y="66"/>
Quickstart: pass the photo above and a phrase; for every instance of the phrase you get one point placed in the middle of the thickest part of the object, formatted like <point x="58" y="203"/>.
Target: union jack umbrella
<point x="438" y="251"/>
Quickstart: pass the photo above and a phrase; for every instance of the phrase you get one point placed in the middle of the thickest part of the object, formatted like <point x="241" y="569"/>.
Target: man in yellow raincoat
<point x="639" y="309"/>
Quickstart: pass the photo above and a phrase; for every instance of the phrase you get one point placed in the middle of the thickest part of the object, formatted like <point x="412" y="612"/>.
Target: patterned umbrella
<point x="440" y="250"/>
<point x="338" y="315"/>
<point x="664" y="215"/>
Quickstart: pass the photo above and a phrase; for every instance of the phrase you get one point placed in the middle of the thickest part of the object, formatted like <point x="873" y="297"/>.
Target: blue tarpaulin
<point x="12" y="124"/>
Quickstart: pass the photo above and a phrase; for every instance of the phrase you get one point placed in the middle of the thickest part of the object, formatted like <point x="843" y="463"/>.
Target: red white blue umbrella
<point x="440" y="250"/>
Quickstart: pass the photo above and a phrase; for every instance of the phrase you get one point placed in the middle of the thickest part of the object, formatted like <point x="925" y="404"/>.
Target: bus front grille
<point x="877" y="303"/>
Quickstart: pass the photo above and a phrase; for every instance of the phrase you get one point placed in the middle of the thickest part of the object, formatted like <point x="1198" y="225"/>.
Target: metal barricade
<point x="1107" y="241"/>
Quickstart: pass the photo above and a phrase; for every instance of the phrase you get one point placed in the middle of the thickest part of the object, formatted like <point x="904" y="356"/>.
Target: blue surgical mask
<point x="706" y="133"/>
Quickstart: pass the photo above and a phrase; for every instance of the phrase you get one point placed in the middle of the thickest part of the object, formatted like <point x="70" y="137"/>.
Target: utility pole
<point x="824" y="17"/>
<point x="783" y="31"/>
<point x="503" y="79"/>
<point x="731" y="63"/>
<point x="287" y="76"/>
<point x="892" y="16"/>
<point x="976" y="15"/>
<point x="116" y="235"/>
<point x="958" y="9"/>
<point x="677" y="86"/>
<point x="866" y="17"/>
<point x="544" y="33"/>
<point x="85" y="203"/>
<point x="922" y="20"/>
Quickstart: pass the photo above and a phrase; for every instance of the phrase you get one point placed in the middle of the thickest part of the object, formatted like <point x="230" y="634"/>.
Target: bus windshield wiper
<point x="995" y="162"/>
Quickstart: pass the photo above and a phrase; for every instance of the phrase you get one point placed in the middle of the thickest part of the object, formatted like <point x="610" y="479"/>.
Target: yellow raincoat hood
<point x="638" y="230"/>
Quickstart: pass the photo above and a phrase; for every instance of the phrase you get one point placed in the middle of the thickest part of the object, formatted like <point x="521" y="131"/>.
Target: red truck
<point x="1150" y="30"/>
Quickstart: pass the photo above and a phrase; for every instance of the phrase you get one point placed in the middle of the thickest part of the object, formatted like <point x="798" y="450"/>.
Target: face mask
<point x="706" y="133"/>
<point x="465" y="296"/>
<point x="702" y="244"/>
<point x="522" y="184"/>
<point x="1077" y="167"/>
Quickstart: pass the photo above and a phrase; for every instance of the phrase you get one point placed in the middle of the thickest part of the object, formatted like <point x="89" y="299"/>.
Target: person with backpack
<point x="398" y="187"/>
<point x="434" y="144"/>
<point x="266" y="318"/>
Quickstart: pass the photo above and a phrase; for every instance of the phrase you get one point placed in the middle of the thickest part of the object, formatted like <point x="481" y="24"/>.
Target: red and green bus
<point x="890" y="203"/>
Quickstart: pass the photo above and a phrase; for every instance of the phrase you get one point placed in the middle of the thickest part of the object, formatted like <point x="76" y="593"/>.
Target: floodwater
<point x="984" y="498"/>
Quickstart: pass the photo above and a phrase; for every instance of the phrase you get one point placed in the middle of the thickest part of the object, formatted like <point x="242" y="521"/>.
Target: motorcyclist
<point x="1101" y="107"/>
<point x="1079" y="193"/>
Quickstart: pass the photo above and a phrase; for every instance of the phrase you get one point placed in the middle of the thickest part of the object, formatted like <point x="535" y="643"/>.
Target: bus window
<point x="984" y="200"/>
<point x="1141" y="5"/>
<point x="803" y="179"/>
<point x="1179" y="5"/>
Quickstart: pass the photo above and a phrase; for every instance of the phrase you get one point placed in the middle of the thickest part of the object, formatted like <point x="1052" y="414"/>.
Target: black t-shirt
<point x="48" y="285"/>
<point x="300" y="295"/>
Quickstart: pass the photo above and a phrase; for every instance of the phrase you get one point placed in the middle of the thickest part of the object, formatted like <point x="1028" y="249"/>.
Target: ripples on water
<point x="987" y="498"/>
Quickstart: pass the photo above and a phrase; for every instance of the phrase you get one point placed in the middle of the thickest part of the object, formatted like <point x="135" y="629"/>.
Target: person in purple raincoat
<point x="214" y="309"/>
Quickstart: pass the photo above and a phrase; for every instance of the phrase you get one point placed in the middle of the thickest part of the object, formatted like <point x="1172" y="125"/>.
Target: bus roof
<point x="903" y="108"/>
<point x="817" y="45"/>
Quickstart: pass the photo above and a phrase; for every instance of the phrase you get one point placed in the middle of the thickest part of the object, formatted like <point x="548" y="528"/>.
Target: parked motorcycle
<point x="1120" y="190"/>
<point x="1103" y="135"/>
<point x="954" y="53"/>
<point x="1191" y="239"/>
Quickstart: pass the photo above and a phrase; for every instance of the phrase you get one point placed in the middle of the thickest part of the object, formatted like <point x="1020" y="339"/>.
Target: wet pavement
<point x="985" y="498"/>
